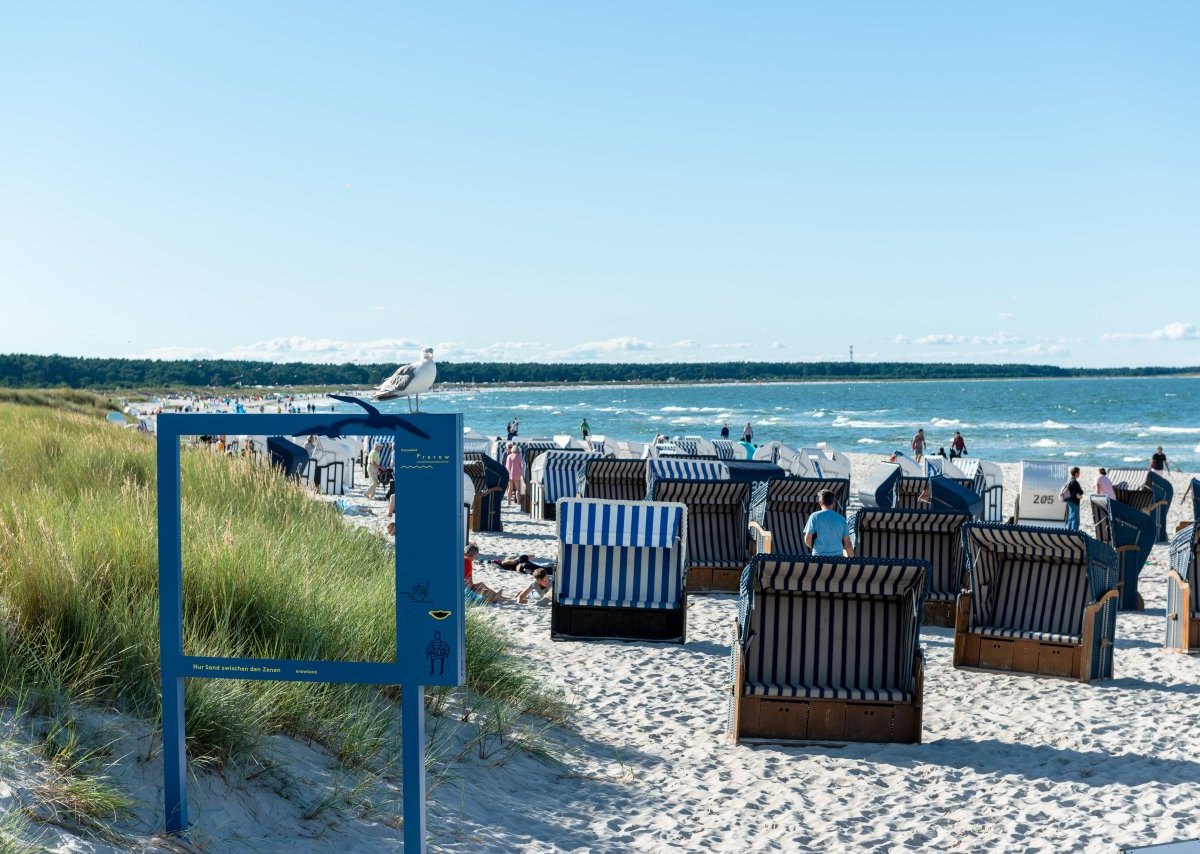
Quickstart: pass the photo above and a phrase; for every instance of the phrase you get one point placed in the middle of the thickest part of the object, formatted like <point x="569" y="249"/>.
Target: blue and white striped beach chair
<point x="622" y="570"/>
<point x="1147" y="491"/>
<point x="718" y="518"/>
<point x="924" y="535"/>
<point x="1183" y="584"/>
<point x="612" y="480"/>
<point x="554" y="477"/>
<point x="780" y="508"/>
<point x="987" y="480"/>
<point x="490" y="480"/>
<point x="1039" y="600"/>
<point x="530" y="450"/>
<point x="726" y="449"/>
<point x="828" y="649"/>
<point x="1131" y="534"/>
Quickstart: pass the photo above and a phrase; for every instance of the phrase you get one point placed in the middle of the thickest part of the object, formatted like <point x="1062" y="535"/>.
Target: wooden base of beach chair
<point x="1189" y="637"/>
<point x="941" y="613"/>
<point x="656" y="624"/>
<point x="713" y="579"/>
<point x="774" y="719"/>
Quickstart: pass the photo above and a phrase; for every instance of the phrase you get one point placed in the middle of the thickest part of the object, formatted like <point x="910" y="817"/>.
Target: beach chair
<point x="823" y="461"/>
<point x="612" y="480"/>
<point x="622" y="571"/>
<point x="727" y="449"/>
<point x="754" y="471"/>
<point x="932" y="536"/>
<point x="914" y="493"/>
<point x="554" y="477"/>
<point x="1148" y="491"/>
<point x="780" y="508"/>
<point x="718" y="518"/>
<point x="1037" y="496"/>
<point x="1131" y="534"/>
<point x="1038" y="600"/>
<point x="828" y="649"/>
<point x="879" y="487"/>
<point x="1183" y="585"/>
<point x="780" y="454"/>
<point x="530" y="450"/>
<point x="988" y="483"/>
<point x="953" y="495"/>
<point x="490" y="480"/>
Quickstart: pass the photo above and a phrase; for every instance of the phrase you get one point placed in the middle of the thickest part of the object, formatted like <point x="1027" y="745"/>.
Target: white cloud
<point x="778" y="345"/>
<point x="1006" y="315"/>
<point x="737" y="345"/>
<point x="1043" y="349"/>
<point x="902" y="339"/>
<point x="686" y="344"/>
<point x="998" y="339"/>
<point x="1170" y="332"/>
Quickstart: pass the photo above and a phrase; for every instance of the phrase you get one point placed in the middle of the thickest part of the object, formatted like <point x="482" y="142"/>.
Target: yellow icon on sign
<point x="440" y="615"/>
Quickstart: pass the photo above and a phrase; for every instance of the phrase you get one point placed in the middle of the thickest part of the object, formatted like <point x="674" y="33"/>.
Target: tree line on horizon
<point x="19" y="370"/>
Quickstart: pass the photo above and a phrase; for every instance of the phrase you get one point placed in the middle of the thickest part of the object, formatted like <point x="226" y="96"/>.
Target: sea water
<point x="1109" y="422"/>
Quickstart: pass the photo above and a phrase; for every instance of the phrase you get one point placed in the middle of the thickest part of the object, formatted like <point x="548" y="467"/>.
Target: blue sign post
<point x="430" y="627"/>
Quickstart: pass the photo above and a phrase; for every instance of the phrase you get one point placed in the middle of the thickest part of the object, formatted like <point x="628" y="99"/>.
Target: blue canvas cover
<point x="1131" y="532"/>
<point x="879" y="488"/>
<point x="949" y="497"/>
<point x="286" y="456"/>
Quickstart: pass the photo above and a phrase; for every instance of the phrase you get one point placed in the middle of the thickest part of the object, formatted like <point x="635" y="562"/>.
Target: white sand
<point x="1008" y="762"/>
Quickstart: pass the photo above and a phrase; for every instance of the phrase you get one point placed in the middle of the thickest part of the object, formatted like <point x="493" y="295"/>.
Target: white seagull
<point x="409" y="381"/>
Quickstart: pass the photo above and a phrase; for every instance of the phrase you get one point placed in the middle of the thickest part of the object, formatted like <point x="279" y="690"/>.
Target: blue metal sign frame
<point x="430" y="626"/>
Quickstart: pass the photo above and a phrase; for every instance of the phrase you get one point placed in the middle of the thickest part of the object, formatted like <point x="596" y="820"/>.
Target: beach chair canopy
<point x="475" y="442"/>
<point x="727" y="449"/>
<point x="824" y="462"/>
<point x="788" y="610"/>
<point x="1145" y="490"/>
<point x="1131" y="533"/>
<point x="931" y="536"/>
<point x="754" y="471"/>
<point x="612" y="480"/>
<point x="287" y="456"/>
<point x="556" y="472"/>
<point x="1185" y="560"/>
<point x="1037" y="500"/>
<point x="1034" y="583"/>
<point x="782" y="507"/>
<point x="683" y="469"/>
<point x="1194" y="489"/>
<point x="780" y="454"/>
<point x="954" y="496"/>
<point x="621" y="554"/>
<point x="879" y="487"/>
<point x="935" y="466"/>
<point x="718" y="518"/>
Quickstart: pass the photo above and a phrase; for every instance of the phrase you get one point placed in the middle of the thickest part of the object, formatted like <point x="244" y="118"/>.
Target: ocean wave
<point x="1181" y="431"/>
<point x="1131" y="459"/>
<point x="1045" y="443"/>
<point x="843" y="421"/>
<point x="948" y="422"/>
<point x="870" y="442"/>
<point x="1109" y="445"/>
<point x="1054" y="425"/>
<point x="691" y="409"/>
<point x="1072" y="453"/>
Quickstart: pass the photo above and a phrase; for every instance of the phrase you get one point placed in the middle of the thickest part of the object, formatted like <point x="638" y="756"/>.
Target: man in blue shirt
<point x="826" y="532"/>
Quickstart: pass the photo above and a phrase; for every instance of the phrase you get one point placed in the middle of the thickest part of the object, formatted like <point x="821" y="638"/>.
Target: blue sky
<point x="619" y="181"/>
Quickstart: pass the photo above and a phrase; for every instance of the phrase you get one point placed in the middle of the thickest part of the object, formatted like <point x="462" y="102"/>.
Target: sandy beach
<point x="1009" y="763"/>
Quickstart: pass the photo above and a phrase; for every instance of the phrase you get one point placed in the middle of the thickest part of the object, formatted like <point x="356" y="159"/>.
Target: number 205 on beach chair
<point x="622" y="570"/>
<point x="827" y="649"/>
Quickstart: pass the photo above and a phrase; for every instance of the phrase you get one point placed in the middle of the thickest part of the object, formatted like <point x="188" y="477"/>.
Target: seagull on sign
<point x="409" y="381"/>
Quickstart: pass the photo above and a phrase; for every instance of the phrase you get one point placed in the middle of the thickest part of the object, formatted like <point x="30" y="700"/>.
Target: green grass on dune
<point x="69" y="399"/>
<point x="268" y="572"/>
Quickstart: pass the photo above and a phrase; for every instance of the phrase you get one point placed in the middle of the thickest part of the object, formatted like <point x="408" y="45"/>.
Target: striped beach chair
<point x="530" y="450"/>
<point x="490" y="480"/>
<point x="780" y="508"/>
<point x="1131" y="534"/>
<point x="622" y="570"/>
<point x="828" y="649"/>
<point x="726" y="449"/>
<point x="718" y="518"/>
<point x="934" y="537"/>
<point x="1039" y="600"/>
<point x="1037" y="495"/>
<point x="913" y="493"/>
<point x="878" y="489"/>
<point x="988" y="483"/>
<point x="1183" y="584"/>
<point x="554" y="477"/>
<point x="612" y="480"/>
<point x="1147" y="491"/>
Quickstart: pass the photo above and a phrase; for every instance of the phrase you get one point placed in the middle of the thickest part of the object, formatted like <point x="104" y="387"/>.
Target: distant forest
<point x="28" y="371"/>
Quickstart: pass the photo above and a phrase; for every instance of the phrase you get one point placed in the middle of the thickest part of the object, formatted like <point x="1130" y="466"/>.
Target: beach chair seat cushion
<point x="1022" y="634"/>
<point x="825" y="692"/>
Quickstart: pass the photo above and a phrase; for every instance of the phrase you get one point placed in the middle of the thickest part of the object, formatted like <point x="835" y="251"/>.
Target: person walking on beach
<point x="584" y="429"/>
<point x="826" y="533"/>
<point x="724" y="431"/>
<point x="748" y="434"/>
<point x="1071" y="493"/>
<point x="1158" y="461"/>
<point x="958" y="446"/>
<point x="513" y="464"/>
<point x="373" y="469"/>
<point x="918" y="444"/>
<point x="1104" y="486"/>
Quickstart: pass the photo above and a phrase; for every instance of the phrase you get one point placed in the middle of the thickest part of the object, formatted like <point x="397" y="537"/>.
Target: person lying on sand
<point x="542" y="590"/>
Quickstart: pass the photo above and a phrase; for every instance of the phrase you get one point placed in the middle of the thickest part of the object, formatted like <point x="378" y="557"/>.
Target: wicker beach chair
<point x="932" y="536"/>
<point x="1039" y="600"/>
<point x="827" y="649"/>
<point x="1147" y="491"/>
<point x="622" y="570"/>
<point x="780" y="508"/>
<point x="1183" y="584"/>
<point x="879" y="487"/>
<point x="612" y="480"/>
<point x="718" y="518"/>
<point x="1131" y="534"/>
<point x="554" y="476"/>
<point x="490" y="480"/>
<point x="530" y="450"/>
<point x="988" y="483"/>
<point x="1037" y="496"/>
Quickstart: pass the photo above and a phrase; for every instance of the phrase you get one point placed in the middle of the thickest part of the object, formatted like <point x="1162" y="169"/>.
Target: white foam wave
<point x="1181" y="431"/>
<point x="1045" y="443"/>
<point x="691" y="409"/>
<point x="1131" y="459"/>
<point x="948" y="422"/>
<point x="869" y="442"/>
<point x="1072" y="453"/>
<point x="843" y="421"/>
<point x="1054" y="425"/>
<point x="1109" y="445"/>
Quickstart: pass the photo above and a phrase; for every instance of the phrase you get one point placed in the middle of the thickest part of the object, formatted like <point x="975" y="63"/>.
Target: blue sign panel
<point x="430" y="642"/>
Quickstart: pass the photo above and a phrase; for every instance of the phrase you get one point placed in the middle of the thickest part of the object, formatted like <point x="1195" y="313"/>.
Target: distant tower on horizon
<point x="851" y="352"/>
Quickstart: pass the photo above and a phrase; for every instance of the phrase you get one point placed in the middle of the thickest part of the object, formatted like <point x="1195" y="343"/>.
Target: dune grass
<point x="68" y="399"/>
<point x="268" y="572"/>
